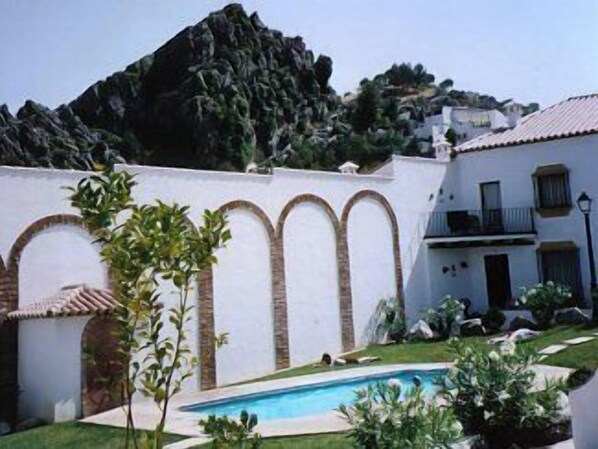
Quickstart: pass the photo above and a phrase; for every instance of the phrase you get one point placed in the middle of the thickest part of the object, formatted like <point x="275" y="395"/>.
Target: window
<point x="552" y="188"/>
<point x="559" y="263"/>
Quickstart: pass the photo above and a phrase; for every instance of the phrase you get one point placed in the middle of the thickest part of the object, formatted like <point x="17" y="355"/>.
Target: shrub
<point x="543" y="300"/>
<point x="394" y="322"/>
<point x="380" y="419"/>
<point x="228" y="433"/>
<point x="493" y="319"/>
<point x="441" y="319"/>
<point x="492" y="394"/>
<point x="579" y="377"/>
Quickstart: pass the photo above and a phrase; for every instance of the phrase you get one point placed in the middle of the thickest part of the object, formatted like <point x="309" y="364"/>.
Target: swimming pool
<point x="307" y="400"/>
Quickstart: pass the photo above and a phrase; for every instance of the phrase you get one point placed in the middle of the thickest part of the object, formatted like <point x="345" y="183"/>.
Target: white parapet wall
<point x="311" y="214"/>
<point x="583" y="402"/>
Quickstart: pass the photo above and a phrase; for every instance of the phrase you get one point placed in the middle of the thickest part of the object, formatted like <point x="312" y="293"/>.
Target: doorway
<point x="491" y="207"/>
<point x="498" y="280"/>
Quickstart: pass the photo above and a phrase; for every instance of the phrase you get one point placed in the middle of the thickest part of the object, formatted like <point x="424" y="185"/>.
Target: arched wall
<point x="369" y="238"/>
<point x="396" y="249"/>
<point x="56" y="257"/>
<point x="101" y="366"/>
<point x="243" y="304"/>
<point x="10" y="333"/>
<point x="308" y="231"/>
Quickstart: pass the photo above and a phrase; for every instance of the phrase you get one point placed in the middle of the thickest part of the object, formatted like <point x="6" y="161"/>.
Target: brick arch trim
<point x="102" y="366"/>
<point x="306" y="198"/>
<point x="10" y="288"/>
<point x="344" y="282"/>
<point x="279" y="304"/>
<point x="255" y="210"/>
<point x="396" y="249"/>
<point x="16" y="251"/>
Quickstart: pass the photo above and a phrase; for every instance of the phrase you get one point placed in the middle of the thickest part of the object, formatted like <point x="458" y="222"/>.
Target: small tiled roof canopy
<point x="575" y="116"/>
<point x="71" y="301"/>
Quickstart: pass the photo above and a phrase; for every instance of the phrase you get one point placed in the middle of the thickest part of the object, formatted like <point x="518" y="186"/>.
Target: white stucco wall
<point x="50" y="368"/>
<point x="312" y="284"/>
<point x="243" y="286"/>
<point x="57" y="257"/>
<point x="513" y="167"/>
<point x="63" y="255"/>
<point x="370" y="242"/>
<point x="583" y="414"/>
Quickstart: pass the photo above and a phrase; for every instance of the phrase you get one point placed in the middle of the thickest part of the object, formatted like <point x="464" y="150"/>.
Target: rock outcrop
<point x="224" y="93"/>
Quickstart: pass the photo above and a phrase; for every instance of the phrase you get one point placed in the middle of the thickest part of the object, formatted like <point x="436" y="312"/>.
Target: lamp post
<point x="584" y="202"/>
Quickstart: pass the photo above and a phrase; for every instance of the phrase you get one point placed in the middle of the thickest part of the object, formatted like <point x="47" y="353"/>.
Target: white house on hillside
<point x="504" y="214"/>
<point x="468" y="123"/>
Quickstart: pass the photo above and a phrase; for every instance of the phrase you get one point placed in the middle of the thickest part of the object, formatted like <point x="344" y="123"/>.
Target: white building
<point x="505" y="215"/>
<point x="312" y="253"/>
<point x="467" y="123"/>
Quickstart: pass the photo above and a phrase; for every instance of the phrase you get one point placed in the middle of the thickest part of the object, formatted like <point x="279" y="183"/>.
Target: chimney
<point x="443" y="150"/>
<point x="348" y="168"/>
<point x="513" y="111"/>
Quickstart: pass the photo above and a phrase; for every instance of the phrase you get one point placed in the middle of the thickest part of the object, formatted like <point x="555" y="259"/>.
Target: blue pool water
<point x="307" y="400"/>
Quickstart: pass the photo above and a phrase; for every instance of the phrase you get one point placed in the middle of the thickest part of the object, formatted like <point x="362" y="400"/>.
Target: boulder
<point x="420" y="331"/>
<point x="571" y="315"/>
<point x="455" y="329"/>
<point x="520" y="322"/>
<point x="472" y="328"/>
<point x="4" y="428"/>
<point x="30" y="423"/>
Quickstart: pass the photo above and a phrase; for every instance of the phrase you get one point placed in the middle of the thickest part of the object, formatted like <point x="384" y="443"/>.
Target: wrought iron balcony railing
<point x="457" y="223"/>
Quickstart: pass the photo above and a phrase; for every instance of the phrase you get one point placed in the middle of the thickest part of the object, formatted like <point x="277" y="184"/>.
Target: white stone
<point x="578" y="340"/>
<point x="553" y="349"/>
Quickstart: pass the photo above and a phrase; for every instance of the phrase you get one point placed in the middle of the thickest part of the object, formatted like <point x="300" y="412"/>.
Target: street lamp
<point x="584" y="202"/>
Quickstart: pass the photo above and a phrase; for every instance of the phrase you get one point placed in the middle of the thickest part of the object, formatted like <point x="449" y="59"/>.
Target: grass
<point x="76" y="435"/>
<point x="70" y="436"/>
<point x="585" y="355"/>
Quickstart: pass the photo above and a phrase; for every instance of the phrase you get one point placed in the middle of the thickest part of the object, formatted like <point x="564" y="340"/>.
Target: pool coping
<point x="183" y="422"/>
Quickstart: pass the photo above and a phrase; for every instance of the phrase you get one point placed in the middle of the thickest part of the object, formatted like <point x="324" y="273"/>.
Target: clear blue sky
<point x="530" y="50"/>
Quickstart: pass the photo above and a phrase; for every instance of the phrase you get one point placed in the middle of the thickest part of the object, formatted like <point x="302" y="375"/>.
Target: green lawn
<point x="573" y="357"/>
<point x="74" y="435"/>
<point x="70" y="436"/>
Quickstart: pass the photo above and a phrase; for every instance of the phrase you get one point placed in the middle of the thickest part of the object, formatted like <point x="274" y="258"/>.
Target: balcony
<point x="465" y="228"/>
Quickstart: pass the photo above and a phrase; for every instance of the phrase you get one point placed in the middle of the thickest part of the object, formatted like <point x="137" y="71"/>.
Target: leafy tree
<point x="366" y="108"/>
<point x="446" y="84"/>
<point x="451" y="136"/>
<point x="145" y="247"/>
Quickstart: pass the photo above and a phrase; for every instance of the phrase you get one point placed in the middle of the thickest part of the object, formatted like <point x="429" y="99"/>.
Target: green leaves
<point x="147" y="247"/>
<point x="495" y="390"/>
<point x="381" y="419"/>
<point x="229" y="434"/>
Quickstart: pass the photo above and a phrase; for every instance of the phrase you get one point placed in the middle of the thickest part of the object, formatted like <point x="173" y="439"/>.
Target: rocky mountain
<point x="224" y="93"/>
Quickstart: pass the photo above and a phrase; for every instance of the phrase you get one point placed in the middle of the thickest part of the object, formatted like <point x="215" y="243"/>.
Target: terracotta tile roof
<point x="71" y="301"/>
<point x="575" y="116"/>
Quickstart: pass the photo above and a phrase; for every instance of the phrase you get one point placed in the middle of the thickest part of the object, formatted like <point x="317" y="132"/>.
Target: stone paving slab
<point x="553" y="349"/>
<point x="578" y="340"/>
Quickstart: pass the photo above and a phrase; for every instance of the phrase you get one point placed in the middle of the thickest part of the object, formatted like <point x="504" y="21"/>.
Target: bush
<point x="228" y="433"/>
<point x="543" y="300"/>
<point x="380" y="419"/>
<point x="493" y="319"/>
<point x="493" y="395"/>
<point x="442" y="319"/>
<point x="579" y="377"/>
<point x="394" y="323"/>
